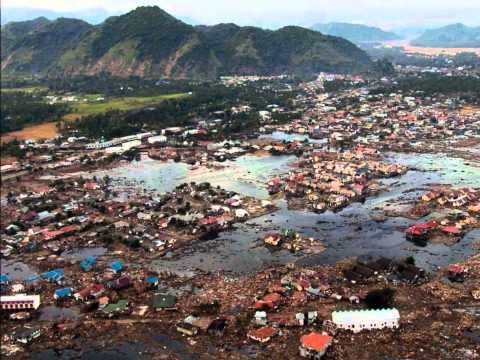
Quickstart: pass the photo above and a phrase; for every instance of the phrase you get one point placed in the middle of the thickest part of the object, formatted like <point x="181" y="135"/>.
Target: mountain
<point x="37" y="50"/>
<point x="450" y="36"/>
<point x="12" y="32"/>
<point x="355" y="32"/>
<point x="92" y="16"/>
<point x="149" y="42"/>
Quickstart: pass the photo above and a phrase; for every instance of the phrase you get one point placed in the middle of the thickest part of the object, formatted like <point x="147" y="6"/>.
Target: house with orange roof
<point x="314" y="345"/>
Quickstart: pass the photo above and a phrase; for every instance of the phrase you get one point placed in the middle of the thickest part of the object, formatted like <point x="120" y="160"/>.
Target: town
<point x="320" y="226"/>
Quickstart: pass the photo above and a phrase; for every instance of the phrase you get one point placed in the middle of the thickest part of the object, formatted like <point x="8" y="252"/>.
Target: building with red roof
<point x="314" y="345"/>
<point x="263" y="335"/>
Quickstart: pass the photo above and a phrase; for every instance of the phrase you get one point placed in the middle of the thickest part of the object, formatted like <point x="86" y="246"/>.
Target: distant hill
<point x="450" y="36"/>
<point x="151" y="43"/>
<point x="14" y="31"/>
<point x="355" y="32"/>
<point x="92" y="16"/>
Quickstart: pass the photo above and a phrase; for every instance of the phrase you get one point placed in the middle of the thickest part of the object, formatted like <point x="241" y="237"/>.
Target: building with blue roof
<point x="152" y="281"/>
<point x="88" y="263"/>
<point x="63" y="293"/>
<point x="117" y="266"/>
<point x="54" y="275"/>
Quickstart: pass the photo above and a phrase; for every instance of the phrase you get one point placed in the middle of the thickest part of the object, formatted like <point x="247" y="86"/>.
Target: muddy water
<point x="55" y="313"/>
<point x="80" y="254"/>
<point x="350" y="232"/>
<point x="246" y="175"/>
<point x="17" y="271"/>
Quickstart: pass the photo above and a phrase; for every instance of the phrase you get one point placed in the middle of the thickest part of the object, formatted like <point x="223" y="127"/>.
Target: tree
<point x="380" y="298"/>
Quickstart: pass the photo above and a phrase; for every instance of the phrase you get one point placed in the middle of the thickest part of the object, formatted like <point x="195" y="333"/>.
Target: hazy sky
<point x="275" y="13"/>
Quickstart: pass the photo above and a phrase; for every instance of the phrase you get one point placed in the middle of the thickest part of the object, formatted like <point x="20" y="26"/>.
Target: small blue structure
<point x="88" y="263"/>
<point x="54" y="275"/>
<point x="63" y="293"/>
<point x="152" y="281"/>
<point x="4" y="279"/>
<point x="117" y="266"/>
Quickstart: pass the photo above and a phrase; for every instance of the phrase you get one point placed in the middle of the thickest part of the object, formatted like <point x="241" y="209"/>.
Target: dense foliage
<point x="432" y="84"/>
<point x="19" y="109"/>
<point x="148" y="42"/>
<point x="115" y="86"/>
<point x="397" y="56"/>
<point x="12" y="148"/>
<point x="207" y="101"/>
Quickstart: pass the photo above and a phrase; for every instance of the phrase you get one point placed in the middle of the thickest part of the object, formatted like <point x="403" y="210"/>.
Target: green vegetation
<point x="25" y="103"/>
<point x="26" y="89"/>
<point x="207" y="99"/>
<point x="432" y="84"/>
<point x="121" y="104"/>
<point x="12" y="148"/>
<point x="150" y="43"/>
<point x="19" y="109"/>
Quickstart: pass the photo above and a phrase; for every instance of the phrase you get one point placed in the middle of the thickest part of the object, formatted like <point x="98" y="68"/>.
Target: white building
<point x="157" y="139"/>
<point x="359" y="320"/>
<point x="20" y="302"/>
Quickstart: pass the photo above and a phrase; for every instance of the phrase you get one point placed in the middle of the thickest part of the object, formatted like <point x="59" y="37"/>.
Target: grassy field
<point x="27" y="89"/>
<point x="48" y="130"/>
<point x="123" y="103"/>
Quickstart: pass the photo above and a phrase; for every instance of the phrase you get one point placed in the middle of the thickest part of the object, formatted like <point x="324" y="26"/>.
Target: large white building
<point x="20" y="302"/>
<point x="359" y="320"/>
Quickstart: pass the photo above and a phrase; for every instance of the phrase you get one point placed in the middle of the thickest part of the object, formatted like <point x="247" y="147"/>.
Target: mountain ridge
<point x="149" y="42"/>
<point x="450" y="36"/>
<point x="356" y="33"/>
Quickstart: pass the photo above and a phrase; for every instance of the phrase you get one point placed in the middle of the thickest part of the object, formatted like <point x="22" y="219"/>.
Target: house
<point x="121" y="283"/>
<point x="457" y="273"/>
<point x="63" y="293"/>
<point x="20" y="302"/>
<point x="271" y="301"/>
<point x="202" y="323"/>
<point x="26" y="335"/>
<point x="114" y="309"/>
<point x="187" y="329"/>
<point x="263" y="334"/>
<point x="217" y="327"/>
<point x="121" y="224"/>
<point x="92" y="291"/>
<point x="359" y="320"/>
<point x="451" y="230"/>
<point x="88" y="263"/>
<point x="261" y="318"/>
<point x="116" y="266"/>
<point x="314" y="345"/>
<point x="4" y="279"/>
<point x="273" y="239"/>
<point x="91" y="186"/>
<point x="152" y="282"/>
<point x="55" y="275"/>
<point x="164" y="302"/>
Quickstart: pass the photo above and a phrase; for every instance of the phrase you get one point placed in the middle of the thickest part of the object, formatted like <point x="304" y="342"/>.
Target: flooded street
<point x="350" y="232"/>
